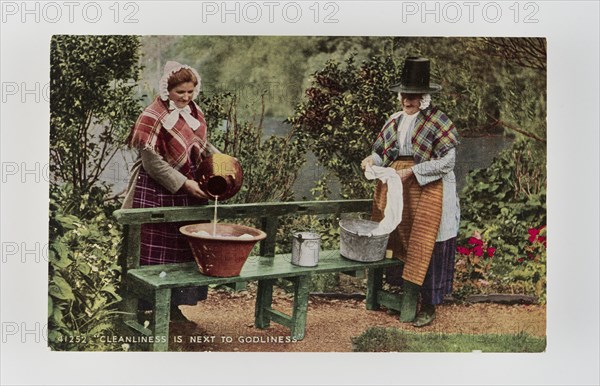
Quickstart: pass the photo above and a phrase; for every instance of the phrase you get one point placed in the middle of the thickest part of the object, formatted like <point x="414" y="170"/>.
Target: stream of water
<point x="215" y="216"/>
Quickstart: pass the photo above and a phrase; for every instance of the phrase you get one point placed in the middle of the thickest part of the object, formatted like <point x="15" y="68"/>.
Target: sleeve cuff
<point x="377" y="160"/>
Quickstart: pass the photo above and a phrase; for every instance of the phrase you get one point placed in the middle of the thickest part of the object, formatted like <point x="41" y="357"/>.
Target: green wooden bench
<point x="154" y="283"/>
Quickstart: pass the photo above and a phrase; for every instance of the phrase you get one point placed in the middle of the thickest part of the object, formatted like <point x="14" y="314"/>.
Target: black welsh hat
<point x="415" y="78"/>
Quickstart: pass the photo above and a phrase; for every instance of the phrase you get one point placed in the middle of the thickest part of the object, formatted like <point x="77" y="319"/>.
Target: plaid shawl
<point x="434" y="136"/>
<point x="180" y="146"/>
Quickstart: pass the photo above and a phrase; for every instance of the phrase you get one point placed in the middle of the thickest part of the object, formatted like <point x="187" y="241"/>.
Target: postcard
<point x="266" y="182"/>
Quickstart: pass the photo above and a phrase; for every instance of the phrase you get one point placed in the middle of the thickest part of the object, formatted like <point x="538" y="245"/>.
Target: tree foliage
<point x="270" y="165"/>
<point x="524" y="52"/>
<point x="92" y="107"/>
<point x="83" y="271"/>
<point x="92" y="104"/>
<point x="346" y="107"/>
<point x="347" y="103"/>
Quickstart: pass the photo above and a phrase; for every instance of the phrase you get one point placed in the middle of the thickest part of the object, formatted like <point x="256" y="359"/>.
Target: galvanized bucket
<point x="356" y="242"/>
<point x="305" y="249"/>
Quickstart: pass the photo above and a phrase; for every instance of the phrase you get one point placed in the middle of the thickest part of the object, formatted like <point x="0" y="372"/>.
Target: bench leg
<point x="264" y="298"/>
<point x="301" y="291"/>
<point x="374" y="285"/>
<point x="161" y="318"/>
<point x="129" y="306"/>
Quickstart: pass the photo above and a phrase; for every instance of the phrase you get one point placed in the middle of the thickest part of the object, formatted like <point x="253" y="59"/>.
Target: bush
<point x="270" y="166"/>
<point x="92" y="104"/>
<point x="83" y="270"/>
<point x="345" y="109"/>
<point x="501" y="206"/>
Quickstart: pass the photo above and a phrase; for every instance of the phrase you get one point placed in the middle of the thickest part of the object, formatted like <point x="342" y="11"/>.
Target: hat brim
<point x="399" y="87"/>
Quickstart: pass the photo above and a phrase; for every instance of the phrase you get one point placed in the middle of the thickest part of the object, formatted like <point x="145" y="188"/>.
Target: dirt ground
<point x="225" y="322"/>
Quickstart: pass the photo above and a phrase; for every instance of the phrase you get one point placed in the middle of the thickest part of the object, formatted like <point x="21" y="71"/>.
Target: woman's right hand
<point x="367" y="162"/>
<point x="193" y="189"/>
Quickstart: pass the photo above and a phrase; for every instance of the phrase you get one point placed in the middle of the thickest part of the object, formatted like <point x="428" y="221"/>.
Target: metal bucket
<point x="305" y="249"/>
<point x="356" y="242"/>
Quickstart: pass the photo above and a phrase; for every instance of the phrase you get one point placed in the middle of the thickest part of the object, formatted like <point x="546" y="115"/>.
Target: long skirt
<point x="427" y="263"/>
<point x="162" y="243"/>
<point x="440" y="275"/>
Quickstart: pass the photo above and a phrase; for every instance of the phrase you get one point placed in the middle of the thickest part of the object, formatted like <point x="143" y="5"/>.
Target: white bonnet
<point x="170" y="68"/>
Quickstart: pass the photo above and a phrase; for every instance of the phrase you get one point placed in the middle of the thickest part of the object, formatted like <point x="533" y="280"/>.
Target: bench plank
<point x="263" y="209"/>
<point x="256" y="268"/>
<point x="278" y="317"/>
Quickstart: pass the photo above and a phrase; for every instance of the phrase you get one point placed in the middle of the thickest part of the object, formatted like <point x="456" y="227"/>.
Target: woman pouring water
<point x="420" y="142"/>
<point x="171" y="138"/>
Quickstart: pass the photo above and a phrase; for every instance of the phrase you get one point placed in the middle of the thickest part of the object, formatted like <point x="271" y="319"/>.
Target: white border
<point x="572" y="354"/>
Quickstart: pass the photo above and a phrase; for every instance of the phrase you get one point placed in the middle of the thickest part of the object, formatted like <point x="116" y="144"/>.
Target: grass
<point x="379" y="339"/>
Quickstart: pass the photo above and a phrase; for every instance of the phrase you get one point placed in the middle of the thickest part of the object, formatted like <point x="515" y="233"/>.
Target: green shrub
<point x="83" y="271"/>
<point x="345" y="108"/>
<point x="270" y="166"/>
<point x="500" y="207"/>
<point x="92" y="104"/>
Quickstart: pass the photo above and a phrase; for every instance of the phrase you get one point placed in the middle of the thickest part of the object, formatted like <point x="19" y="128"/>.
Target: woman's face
<point x="182" y="94"/>
<point x="410" y="103"/>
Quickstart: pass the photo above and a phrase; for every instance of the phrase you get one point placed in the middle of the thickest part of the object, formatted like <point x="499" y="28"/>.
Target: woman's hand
<point x="193" y="189"/>
<point x="367" y="162"/>
<point x="404" y="174"/>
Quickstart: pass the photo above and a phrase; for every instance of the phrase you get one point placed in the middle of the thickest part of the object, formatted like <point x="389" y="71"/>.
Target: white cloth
<point x="405" y="132"/>
<point x="392" y="215"/>
<point x="171" y="119"/>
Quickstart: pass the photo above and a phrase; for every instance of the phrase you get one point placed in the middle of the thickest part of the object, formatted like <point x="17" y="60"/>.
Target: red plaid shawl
<point x="434" y="135"/>
<point x="179" y="146"/>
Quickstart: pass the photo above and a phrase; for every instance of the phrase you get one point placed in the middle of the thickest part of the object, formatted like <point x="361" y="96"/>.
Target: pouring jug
<point x="220" y="176"/>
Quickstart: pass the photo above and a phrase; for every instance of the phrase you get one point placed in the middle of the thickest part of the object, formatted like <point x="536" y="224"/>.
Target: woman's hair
<point x="182" y="76"/>
<point x="425" y="100"/>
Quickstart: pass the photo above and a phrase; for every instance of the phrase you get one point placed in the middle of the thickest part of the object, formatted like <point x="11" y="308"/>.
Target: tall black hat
<point x="415" y="78"/>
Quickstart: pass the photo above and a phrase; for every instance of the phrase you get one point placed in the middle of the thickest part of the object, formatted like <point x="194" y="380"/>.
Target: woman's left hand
<point x="404" y="174"/>
<point x="193" y="189"/>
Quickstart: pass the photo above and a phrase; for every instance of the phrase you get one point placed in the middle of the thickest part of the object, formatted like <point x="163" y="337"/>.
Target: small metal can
<point x="305" y="249"/>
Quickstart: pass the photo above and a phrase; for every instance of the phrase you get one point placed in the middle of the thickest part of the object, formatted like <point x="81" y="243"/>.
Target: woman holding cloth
<point x="171" y="138"/>
<point x="419" y="143"/>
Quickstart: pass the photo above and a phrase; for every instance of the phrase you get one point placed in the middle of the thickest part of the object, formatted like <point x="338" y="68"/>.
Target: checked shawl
<point x="180" y="146"/>
<point x="434" y="136"/>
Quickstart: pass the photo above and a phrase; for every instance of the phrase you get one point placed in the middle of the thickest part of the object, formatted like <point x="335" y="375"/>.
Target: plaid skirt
<point x="162" y="243"/>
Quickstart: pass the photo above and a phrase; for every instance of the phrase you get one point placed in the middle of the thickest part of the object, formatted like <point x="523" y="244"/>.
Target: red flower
<point x="490" y="251"/>
<point x="533" y="234"/>
<point x="542" y="240"/>
<point x="520" y="259"/>
<point x="478" y="251"/>
<point x="463" y="250"/>
<point x="475" y="241"/>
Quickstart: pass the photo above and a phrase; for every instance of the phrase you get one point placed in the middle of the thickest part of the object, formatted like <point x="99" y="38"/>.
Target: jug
<point x="220" y="176"/>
